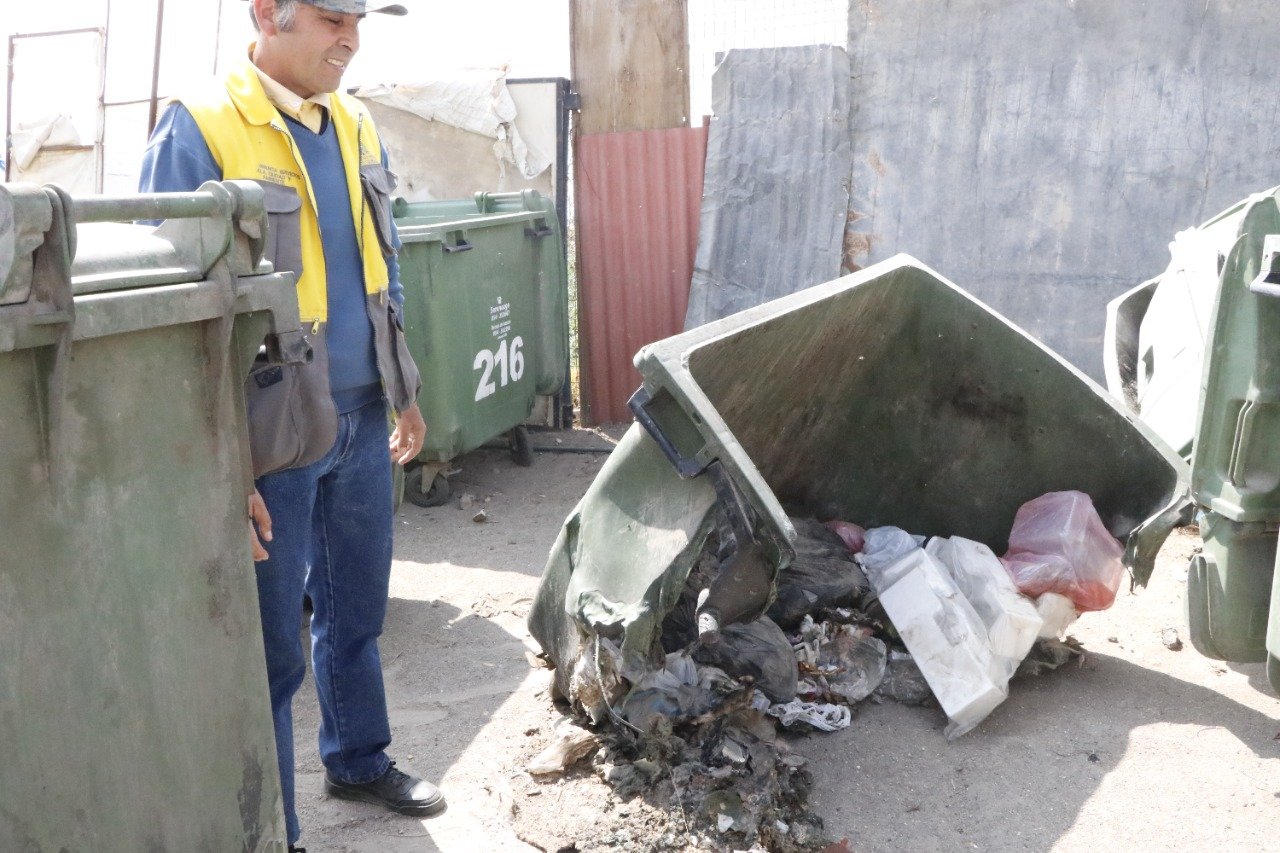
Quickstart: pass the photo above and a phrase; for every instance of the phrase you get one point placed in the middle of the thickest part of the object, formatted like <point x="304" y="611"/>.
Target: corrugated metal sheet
<point x="638" y="200"/>
<point x="777" y="178"/>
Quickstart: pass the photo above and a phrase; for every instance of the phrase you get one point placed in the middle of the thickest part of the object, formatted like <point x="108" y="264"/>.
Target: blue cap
<point x="356" y="7"/>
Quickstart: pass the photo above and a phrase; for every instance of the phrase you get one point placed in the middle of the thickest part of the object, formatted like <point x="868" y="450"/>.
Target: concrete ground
<point x="1141" y="747"/>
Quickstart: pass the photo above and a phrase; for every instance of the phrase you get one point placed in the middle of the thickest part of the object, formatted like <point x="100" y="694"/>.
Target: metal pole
<point x="8" y="113"/>
<point x="100" y="144"/>
<point x="217" y="38"/>
<point x="155" y="69"/>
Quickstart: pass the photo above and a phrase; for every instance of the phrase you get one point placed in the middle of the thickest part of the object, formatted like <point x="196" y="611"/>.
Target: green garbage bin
<point x="486" y="319"/>
<point x="886" y="397"/>
<point x="1235" y="474"/>
<point x="133" y="692"/>
<point x="1154" y="342"/>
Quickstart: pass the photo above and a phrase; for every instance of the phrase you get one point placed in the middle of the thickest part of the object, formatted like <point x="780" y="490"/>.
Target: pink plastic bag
<point x="1059" y="544"/>
<point x="852" y="534"/>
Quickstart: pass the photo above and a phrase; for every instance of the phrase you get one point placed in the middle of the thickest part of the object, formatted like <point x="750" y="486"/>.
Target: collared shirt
<point x="309" y="111"/>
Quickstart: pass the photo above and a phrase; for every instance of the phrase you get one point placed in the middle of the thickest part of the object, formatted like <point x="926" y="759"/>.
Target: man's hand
<point x="407" y="438"/>
<point x="259" y="526"/>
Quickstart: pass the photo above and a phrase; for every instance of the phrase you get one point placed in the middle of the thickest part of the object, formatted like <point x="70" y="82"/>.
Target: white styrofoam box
<point x="1011" y="618"/>
<point x="1057" y="613"/>
<point x="947" y="639"/>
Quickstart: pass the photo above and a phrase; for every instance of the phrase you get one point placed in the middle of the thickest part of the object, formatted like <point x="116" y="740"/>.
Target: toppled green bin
<point x="486" y="319"/>
<point x="133" y="692"/>
<point x="885" y="397"/>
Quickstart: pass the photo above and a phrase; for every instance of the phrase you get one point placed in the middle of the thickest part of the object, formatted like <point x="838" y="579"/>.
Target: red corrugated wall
<point x="638" y="198"/>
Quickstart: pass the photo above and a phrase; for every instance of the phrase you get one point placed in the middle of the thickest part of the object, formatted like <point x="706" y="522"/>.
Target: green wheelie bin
<point x="133" y="691"/>
<point x="486" y="319"/>
<point x="888" y="397"/>
<point x="1233" y="604"/>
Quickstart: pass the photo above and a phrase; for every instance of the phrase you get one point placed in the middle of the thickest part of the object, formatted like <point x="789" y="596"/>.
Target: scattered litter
<point x="1059" y="544"/>
<point x="903" y="681"/>
<point x="680" y="690"/>
<point x="820" y="715"/>
<point x="878" y="614"/>
<point x="1049" y="654"/>
<point x="572" y="744"/>
<point x="466" y="500"/>
<point x="1171" y="640"/>
<point x="839" y="662"/>
<point x="480" y="517"/>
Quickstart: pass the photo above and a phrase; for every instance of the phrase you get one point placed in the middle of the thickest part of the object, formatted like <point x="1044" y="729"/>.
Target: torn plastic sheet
<point x="477" y="101"/>
<point x="681" y="689"/>
<point x="842" y="662"/>
<point x="820" y="715"/>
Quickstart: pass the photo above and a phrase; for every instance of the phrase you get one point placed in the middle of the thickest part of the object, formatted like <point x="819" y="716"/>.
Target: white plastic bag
<point x="1011" y="618"/>
<point x="1059" y="544"/>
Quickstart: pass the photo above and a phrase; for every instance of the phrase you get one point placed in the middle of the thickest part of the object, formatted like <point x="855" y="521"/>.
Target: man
<point x="318" y="432"/>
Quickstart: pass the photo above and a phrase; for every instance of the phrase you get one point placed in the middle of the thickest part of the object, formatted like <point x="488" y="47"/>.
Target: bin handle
<point x="726" y="490"/>
<point x="460" y="243"/>
<point x="686" y="467"/>
<point x="539" y="229"/>
<point x="1267" y="282"/>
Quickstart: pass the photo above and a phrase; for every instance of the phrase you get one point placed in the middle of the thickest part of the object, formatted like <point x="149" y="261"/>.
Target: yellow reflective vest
<point x="249" y="140"/>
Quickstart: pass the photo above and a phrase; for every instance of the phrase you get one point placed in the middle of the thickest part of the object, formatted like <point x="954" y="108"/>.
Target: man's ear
<point x="266" y="12"/>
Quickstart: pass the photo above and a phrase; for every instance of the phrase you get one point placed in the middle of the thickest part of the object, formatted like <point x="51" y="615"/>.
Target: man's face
<point x="311" y="56"/>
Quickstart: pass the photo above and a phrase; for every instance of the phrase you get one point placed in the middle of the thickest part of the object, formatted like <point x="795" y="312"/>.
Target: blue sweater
<point x="178" y="160"/>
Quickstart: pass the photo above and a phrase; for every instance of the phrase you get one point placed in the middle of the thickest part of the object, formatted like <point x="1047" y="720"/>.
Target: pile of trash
<point x="859" y="615"/>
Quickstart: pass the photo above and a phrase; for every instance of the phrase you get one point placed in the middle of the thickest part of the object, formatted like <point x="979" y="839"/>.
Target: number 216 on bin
<point x="508" y="360"/>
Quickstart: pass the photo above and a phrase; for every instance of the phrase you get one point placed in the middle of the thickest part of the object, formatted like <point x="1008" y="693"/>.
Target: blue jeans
<point x="331" y="528"/>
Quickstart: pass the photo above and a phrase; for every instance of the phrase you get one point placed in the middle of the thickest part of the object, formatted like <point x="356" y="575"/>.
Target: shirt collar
<point x="309" y="111"/>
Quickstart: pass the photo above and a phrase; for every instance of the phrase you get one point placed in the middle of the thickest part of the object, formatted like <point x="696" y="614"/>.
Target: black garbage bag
<point x="757" y="649"/>
<point x="823" y="575"/>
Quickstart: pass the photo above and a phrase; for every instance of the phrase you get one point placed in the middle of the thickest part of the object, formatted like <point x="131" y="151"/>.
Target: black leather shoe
<point x="394" y="790"/>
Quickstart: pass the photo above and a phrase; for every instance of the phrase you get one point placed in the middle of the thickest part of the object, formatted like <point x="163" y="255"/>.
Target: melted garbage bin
<point x="888" y="397"/>
<point x="1235" y="473"/>
<point x="486" y="319"/>
<point x="133" y="692"/>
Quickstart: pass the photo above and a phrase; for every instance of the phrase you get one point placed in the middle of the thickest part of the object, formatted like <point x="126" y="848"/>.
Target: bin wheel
<point x="436" y="495"/>
<point x="520" y="449"/>
<point x="1198" y="607"/>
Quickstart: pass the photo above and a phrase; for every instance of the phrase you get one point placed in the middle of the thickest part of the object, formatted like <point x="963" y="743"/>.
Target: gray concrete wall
<point x="1042" y="153"/>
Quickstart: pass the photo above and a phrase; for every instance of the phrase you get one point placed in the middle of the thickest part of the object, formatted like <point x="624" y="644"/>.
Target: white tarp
<point x="476" y="101"/>
<point x="73" y="169"/>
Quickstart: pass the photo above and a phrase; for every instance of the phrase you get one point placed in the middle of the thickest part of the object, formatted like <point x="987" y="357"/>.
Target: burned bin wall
<point x="133" y="695"/>
<point x="893" y="397"/>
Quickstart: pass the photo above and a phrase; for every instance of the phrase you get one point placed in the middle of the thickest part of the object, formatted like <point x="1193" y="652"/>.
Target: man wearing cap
<point x="322" y="507"/>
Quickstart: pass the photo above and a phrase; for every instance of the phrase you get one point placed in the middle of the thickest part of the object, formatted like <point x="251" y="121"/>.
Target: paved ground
<point x="1141" y="748"/>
